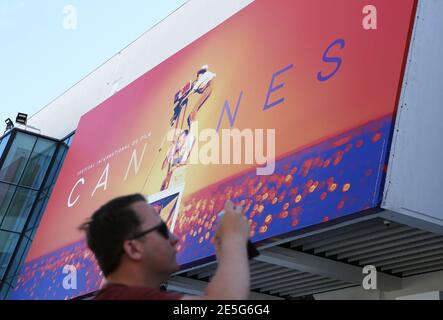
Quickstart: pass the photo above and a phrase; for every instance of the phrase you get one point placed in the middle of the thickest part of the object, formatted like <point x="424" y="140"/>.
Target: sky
<point x="47" y="46"/>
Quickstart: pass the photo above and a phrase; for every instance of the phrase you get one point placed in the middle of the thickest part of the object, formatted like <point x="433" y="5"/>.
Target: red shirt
<point x="122" y="292"/>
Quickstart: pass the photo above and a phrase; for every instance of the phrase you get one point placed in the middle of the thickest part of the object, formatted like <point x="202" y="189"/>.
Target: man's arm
<point x="231" y="280"/>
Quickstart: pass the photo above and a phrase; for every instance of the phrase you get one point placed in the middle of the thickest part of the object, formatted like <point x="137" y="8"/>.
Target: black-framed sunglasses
<point x="162" y="228"/>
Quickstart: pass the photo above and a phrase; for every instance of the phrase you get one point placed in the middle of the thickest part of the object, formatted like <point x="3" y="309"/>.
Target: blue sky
<point x="40" y="58"/>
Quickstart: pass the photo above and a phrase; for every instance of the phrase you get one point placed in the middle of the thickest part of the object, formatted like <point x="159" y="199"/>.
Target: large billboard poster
<point x="287" y="107"/>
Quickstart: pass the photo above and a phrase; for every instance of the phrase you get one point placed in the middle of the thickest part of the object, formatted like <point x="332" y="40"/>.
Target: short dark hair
<point x="109" y="227"/>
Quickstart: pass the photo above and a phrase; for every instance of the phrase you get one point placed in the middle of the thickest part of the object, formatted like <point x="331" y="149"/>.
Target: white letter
<point x="370" y="281"/>
<point x="260" y="158"/>
<point x="370" y="20"/>
<point x="193" y="132"/>
<point x="209" y="152"/>
<point x="237" y="136"/>
<point x="136" y="163"/>
<point x="70" y="203"/>
<point x="70" y="281"/>
<point x="226" y="146"/>
<point x="101" y="183"/>
<point x="70" y="20"/>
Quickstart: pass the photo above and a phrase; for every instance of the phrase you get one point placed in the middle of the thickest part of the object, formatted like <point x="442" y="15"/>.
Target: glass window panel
<point x="19" y="257"/>
<point x="55" y="169"/>
<point x="40" y="216"/>
<point x="3" y="144"/>
<point x="19" y="210"/>
<point x="28" y="233"/>
<point x="8" y="242"/>
<point x="6" y="193"/>
<point x="12" y="283"/>
<point x="17" y="157"/>
<point x="68" y="140"/>
<point x="4" y="291"/>
<point x="34" y="231"/>
<point x="38" y="164"/>
<point x="14" y="280"/>
<point x="37" y="212"/>
<point x="15" y="271"/>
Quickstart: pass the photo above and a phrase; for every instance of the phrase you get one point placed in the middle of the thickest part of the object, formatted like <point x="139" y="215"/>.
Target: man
<point x="137" y="253"/>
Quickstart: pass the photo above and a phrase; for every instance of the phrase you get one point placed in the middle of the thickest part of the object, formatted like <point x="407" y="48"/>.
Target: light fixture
<point x="22" y="118"/>
<point x="9" y="124"/>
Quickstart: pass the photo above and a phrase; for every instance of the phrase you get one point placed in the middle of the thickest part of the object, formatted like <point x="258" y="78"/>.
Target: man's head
<point x="115" y="233"/>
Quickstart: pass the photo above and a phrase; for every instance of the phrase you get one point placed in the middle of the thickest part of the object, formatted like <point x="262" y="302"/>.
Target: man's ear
<point x="133" y="249"/>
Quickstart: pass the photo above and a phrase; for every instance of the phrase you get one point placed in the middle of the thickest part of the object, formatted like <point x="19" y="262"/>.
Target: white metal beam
<point x="197" y="287"/>
<point x="325" y="267"/>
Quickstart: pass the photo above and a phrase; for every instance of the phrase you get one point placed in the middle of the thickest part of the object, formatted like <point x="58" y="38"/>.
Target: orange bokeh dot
<point x="337" y="160"/>
<point x="261" y="208"/>
<point x="200" y="240"/>
<point x="326" y="163"/>
<point x="295" y="211"/>
<point x="274" y="201"/>
<point x="268" y="219"/>
<point x="207" y="235"/>
<point x="263" y="229"/>
<point x="298" y="198"/>
<point x="283" y="214"/>
<point x="346" y="187"/>
<point x="376" y="137"/>
<point x="286" y="206"/>
<point x="312" y="188"/>
<point x="332" y="187"/>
